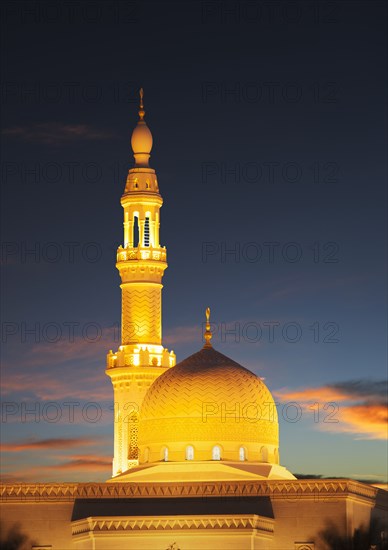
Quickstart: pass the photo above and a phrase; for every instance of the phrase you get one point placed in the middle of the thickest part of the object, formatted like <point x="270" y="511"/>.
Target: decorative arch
<point x="276" y="455"/>
<point x="136" y="232"/>
<point x="242" y="454"/>
<point x="264" y="454"/>
<point x="216" y="452"/>
<point x="189" y="453"/>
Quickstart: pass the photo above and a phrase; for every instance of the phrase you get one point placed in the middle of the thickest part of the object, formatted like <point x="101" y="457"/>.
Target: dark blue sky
<point x="269" y="126"/>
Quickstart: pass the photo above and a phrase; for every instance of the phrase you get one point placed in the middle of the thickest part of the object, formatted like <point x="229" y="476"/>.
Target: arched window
<point x="216" y="453"/>
<point x="264" y="454"/>
<point x="189" y="452"/>
<point x="146" y="454"/>
<point x="242" y="454"/>
<point x="135" y="231"/>
<point x="165" y="454"/>
<point x="147" y="232"/>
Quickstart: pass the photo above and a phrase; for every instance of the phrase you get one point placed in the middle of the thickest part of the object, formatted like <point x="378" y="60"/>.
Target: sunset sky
<point x="269" y="127"/>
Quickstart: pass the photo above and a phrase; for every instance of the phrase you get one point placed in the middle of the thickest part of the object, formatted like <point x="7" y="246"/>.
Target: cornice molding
<point x="275" y="489"/>
<point x="102" y="525"/>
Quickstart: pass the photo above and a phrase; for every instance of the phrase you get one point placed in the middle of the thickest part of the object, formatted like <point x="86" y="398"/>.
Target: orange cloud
<point x="371" y="418"/>
<point x="362" y="408"/>
<point x="41" y="444"/>
<point x="83" y="462"/>
<point x="319" y="395"/>
<point x="73" y="469"/>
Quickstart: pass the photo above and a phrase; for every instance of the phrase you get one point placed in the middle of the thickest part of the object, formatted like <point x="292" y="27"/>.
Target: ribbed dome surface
<point x="205" y="377"/>
<point x="208" y="398"/>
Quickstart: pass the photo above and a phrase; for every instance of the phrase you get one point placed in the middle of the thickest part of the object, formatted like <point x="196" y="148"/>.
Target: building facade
<point x="196" y="462"/>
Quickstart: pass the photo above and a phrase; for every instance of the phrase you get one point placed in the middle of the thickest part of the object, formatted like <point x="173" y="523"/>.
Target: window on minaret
<point x="147" y="232"/>
<point x="189" y="452"/>
<point x="135" y="231"/>
<point x="242" y="454"/>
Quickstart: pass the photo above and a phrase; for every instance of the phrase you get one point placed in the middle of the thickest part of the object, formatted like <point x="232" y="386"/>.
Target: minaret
<point x="141" y="357"/>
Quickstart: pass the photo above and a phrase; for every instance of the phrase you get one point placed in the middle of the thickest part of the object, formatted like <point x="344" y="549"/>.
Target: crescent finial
<point x="208" y="333"/>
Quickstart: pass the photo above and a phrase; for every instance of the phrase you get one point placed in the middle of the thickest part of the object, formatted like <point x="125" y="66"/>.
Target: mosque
<point x="196" y="462"/>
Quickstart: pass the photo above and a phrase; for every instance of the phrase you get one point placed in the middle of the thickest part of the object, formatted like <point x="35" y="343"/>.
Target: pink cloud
<point x="41" y="370"/>
<point x="46" y="387"/>
<point x="67" y="349"/>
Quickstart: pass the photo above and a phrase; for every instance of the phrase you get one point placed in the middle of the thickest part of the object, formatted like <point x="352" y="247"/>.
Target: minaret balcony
<point x="145" y="356"/>
<point x="141" y="253"/>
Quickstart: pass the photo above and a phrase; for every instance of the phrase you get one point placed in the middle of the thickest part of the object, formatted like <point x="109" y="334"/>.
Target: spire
<point x="207" y="334"/>
<point x="141" y="111"/>
<point x="141" y="140"/>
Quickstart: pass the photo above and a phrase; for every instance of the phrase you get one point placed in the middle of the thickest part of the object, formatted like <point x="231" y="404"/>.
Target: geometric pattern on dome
<point x="178" y="429"/>
<point x="239" y="405"/>
<point x="207" y="377"/>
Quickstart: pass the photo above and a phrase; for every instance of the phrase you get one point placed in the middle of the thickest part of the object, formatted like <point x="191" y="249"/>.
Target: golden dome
<point x="208" y="407"/>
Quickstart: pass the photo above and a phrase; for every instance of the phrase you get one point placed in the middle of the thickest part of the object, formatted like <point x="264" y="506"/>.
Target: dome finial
<point x="141" y="140"/>
<point x="208" y="333"/>
<point x="141" y="111"/>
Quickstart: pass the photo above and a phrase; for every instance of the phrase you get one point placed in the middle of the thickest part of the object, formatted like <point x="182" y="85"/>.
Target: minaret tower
<point x="141" y="357"/>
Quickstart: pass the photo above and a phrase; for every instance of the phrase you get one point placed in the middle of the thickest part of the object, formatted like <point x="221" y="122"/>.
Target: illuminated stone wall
<point x="261" y="515"/>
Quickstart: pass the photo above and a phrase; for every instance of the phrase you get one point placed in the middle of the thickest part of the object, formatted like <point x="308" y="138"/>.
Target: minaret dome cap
<point x="141" y="140"/>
